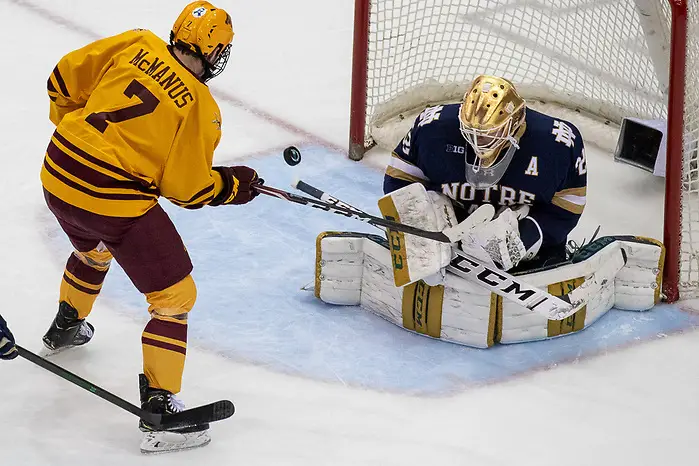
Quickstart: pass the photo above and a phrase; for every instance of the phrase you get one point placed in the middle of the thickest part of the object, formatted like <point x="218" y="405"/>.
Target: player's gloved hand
<point x="498" y="239"/>
<point x="7" y="342"/>
<point x="238" y="185"/>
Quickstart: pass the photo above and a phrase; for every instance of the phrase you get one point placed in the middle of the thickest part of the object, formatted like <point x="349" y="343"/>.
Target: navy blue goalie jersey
<point x="548" y="172"/>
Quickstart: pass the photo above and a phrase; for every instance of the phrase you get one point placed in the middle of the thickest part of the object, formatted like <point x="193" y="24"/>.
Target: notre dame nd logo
<point x="564" y="133"/>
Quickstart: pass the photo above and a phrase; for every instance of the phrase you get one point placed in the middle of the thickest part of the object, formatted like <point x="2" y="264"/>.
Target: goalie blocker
<point x="357" y="269"/>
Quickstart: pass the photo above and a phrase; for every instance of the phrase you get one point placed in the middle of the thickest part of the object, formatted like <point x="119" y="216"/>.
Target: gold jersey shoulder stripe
<point x="567" y="205"/>
<point x="572" y="192"/>
<point x="394" y="172"/>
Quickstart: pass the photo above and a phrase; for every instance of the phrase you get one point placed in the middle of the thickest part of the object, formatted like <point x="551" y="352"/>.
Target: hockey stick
<point x="493" y="279"/>
<point x="448" y="235"/>
<point x="212" y="412"/>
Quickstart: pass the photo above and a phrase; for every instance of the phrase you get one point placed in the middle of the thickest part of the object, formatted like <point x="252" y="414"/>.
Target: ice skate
<point x="67" y="330"/>
<point x="158" y="440"/>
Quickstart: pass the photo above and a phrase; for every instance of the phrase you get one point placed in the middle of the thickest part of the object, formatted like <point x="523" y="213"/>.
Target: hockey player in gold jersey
<point x="135" y="120"/>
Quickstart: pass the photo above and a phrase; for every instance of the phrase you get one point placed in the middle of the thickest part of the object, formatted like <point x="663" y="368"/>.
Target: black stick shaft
<point x="352" y="213"/>
<point x="89" y="386"/>
<point x="325" y="197"/>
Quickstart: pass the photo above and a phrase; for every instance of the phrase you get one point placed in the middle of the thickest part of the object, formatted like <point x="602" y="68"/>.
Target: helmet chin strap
<point x="477" y="166"/>
<point x="480" y="177"/>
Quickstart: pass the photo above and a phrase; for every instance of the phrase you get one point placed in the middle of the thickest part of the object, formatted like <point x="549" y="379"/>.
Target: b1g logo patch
<point x="199" y="12"/>
<point x="455" y="149"/>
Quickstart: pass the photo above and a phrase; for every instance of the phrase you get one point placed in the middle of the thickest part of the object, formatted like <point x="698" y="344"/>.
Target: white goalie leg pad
<point x="638" y="284"/>
<point x="594" y="280"/>
<point x="339" y="267"/>
<point x="620" y="272"/>
<point x="415" y="257"/>
<point x="458" y="311"/>
<point x="379" y="294"/>
<point x="469" y="313"/>
<point x="357" y="268"/>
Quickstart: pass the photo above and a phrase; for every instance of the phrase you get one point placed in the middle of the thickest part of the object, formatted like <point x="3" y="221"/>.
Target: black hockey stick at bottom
<point x="212" y="412"/>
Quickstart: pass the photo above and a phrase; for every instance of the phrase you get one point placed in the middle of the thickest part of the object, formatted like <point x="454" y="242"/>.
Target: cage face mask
<point x="491" y="118"/>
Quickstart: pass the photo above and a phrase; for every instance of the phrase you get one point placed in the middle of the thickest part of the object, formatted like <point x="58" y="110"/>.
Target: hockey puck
<point x="292" y="156"/>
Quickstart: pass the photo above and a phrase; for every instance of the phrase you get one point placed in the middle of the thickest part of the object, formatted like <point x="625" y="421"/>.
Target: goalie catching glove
<point x="238" y="185"/>
<point x="498" y="241"/>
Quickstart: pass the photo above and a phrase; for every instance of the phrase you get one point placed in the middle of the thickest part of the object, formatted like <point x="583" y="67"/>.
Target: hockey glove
<point x="238" y="185"/>
<point x="7" y="342"/>
<point x="498" y="240"/>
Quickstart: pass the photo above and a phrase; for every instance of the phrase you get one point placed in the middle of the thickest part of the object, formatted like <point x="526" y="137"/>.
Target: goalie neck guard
<point x="207" y="32"/>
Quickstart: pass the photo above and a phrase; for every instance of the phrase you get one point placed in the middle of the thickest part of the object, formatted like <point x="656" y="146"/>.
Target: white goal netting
<point x="608" y="59"/>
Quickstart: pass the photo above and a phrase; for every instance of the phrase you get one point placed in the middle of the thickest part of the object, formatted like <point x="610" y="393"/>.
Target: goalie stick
<point x="211" y="412"/>
<point x="491" y="278"/>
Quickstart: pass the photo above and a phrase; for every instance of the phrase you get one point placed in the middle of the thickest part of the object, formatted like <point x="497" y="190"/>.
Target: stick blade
<point x="310" y="190"/>
<point x="211" y="412"/>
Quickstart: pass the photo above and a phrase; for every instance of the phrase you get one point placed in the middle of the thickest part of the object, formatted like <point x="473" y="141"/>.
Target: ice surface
<point x="313" y="384"/>
<point x="251" y="261"/>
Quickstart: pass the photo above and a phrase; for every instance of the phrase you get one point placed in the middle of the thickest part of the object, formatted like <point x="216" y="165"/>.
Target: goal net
<point x="606" y="59"/>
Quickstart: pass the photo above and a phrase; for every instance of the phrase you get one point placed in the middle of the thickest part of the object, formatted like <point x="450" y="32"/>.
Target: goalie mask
<point x="492" y="121"/>
<point x="207" y="32"/>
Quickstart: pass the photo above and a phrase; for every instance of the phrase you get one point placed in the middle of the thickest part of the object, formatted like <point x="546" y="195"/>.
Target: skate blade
<point x="154" y="443"/>
<point x="47" y="352"/>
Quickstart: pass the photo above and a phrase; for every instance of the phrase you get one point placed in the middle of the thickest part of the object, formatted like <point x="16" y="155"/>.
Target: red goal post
<point x="610" y="60"/>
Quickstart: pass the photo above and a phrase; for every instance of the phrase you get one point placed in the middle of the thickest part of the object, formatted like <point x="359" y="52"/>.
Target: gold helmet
<point x="491" y="114"/>
<point x="205" y="31"/>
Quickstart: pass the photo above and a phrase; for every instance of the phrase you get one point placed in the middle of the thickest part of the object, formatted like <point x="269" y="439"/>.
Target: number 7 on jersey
<point x="148" y="104"/>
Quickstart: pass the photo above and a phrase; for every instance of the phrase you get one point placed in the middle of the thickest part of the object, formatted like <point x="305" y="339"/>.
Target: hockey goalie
<point x="488" y="150"/>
